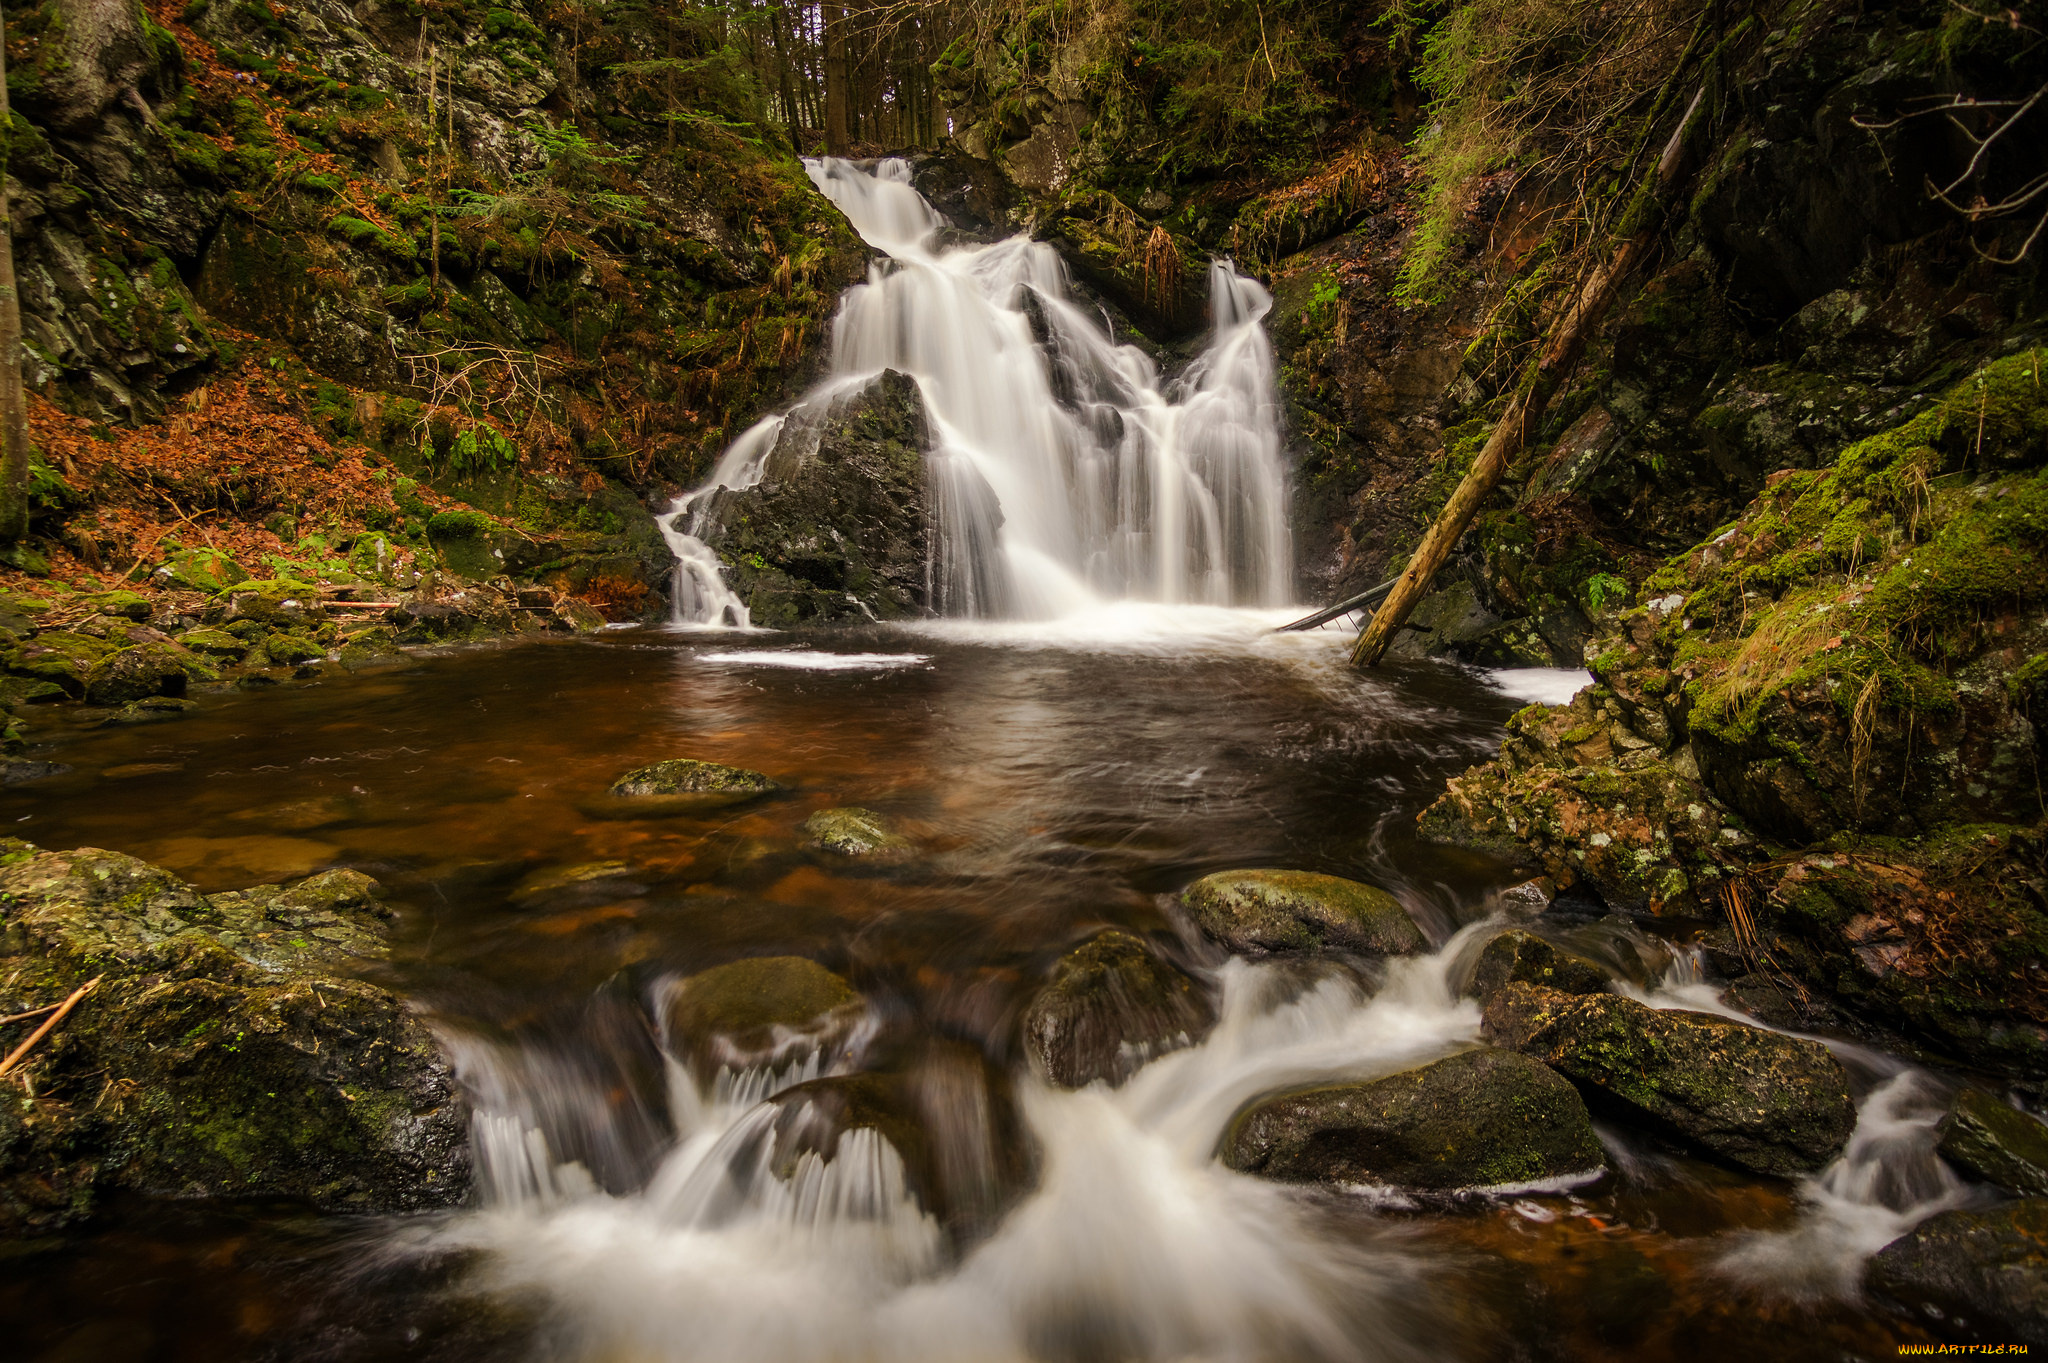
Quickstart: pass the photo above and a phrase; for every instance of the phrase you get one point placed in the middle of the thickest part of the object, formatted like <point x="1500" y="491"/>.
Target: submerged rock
<point x="1523" y="956"/>
<point x="1996" y="1142"/>
<point x="1766" y="1102"/>
<point x="1111" y="1005"/>
<point x="1254" y="912"/>
<point x="1482" y="1118"/>
<point x="1979" y="1275"/>
<point x="230" y="1050"/>
<point x="855" y="832"/>
<point x="688" y="776"/>
<point x="759" y="1010"/>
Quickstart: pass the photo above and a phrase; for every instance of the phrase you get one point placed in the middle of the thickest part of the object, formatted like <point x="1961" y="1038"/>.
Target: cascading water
<point x="1063" y="472"/>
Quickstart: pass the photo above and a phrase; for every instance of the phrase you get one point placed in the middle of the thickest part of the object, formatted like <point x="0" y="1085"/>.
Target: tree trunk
<point x="836" y="75"/>
<point x="1524" y="413"/>
<point x="13" y="420"/>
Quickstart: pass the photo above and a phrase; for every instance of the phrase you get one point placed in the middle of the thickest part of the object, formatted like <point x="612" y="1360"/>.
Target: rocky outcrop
<point x="1762" y="1101"/>
<point x="1110" y="1006"/>
<point x="232" y="1048"/>
<point x="1255" y="912"/>
<point x="1978" y="1276"/>
<point x="1481" y="1119"/>
<point x="839" y="527"/>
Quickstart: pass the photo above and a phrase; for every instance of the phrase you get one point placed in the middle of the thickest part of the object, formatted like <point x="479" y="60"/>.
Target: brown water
<point x="1050" y="788"/>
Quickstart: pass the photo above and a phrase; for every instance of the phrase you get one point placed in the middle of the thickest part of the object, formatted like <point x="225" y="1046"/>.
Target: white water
<point x="1064" y="472"/>
<point x="1136" y="1243"/>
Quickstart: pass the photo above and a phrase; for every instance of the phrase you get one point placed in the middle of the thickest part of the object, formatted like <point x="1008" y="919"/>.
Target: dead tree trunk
<point x="1525" y="409"/>
<point x="13" y="419"/>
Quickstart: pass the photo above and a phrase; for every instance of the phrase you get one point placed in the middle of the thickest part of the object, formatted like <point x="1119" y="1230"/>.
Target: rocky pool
<point x="633" y="1202"/>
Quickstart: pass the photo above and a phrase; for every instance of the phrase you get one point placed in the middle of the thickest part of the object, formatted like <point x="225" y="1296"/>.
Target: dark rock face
<point x="688" y="776"/>
<point x="231" y="1048"/>
<point x="1984" y="1272"/>
<point x="1525" y="957"/>
<point x="1255" y="912"/>
<point x="1765" y="1102"/>
<point x="1110" y="1004"/>
<point x="1996" y="1142"/>
<point x="838" y="528"/>
<point x="1483" y="1118"/>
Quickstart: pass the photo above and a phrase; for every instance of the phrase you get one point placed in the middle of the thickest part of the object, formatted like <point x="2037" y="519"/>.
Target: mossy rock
<point x="1261" y="911"/>
<point x="686" y="776"/>
<point x="1517" y="955"/>
<point x="213" y="643"/>
<point x="61" y="657"/>
<point x="1110" y="1006"/>
<point x="851" y="831"/>
<point x="756" y="1010"/>
<point x="200" y="570"/>
<point x="291" y="650"/>
<point x="128" y="605"/>
<point x="1980" y="1275"/>
<point x="1481" y="1119"/>
<point x="155" y="669"/>
<point x="599" y="877"/>
<point x="1996" y="1142"/>
<point x="152" y="710"/>
<point x="1762" y="1101"/>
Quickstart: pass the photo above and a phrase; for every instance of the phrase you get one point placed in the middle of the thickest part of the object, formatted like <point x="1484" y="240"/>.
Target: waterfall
<point x="1064" y="471"/>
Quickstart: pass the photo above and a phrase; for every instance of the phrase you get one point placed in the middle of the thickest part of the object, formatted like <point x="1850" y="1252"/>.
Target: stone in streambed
<point x="1523" y="956"/>
<point x="687" y="776"/>
<point x="1762" y="1101"/>
<point x="1996" y="1142"/>
<point x="1261" y="911"/>
<point x="1110" y="1005"/>
<point x="1482" y="1118"/>
<point x="1973" y="1275"/>
<point x="855" y="832"/>
<point x="599" y="877"/>
<point x="759" y="1009"/>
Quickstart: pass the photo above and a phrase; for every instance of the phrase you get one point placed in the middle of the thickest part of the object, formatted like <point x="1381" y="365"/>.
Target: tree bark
<point x="13" y="419"/>
<point x="836" y="79"/>
<point x="1525" y="409"/>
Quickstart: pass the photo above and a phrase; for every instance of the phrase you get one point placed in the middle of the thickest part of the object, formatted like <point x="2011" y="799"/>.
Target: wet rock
<point x="598" y="877"/>
<point x="15" y="771"/>
<point x="1781" y="1002"/>
<point x="1254" y="912"/>
<point x="687" y="776"/>
<point x="232" y="1048"/>
<point x="151" y="709"/>
<point x="1111" y="1005"/>
<point x="1765" y="1102"/>
<point x="1975" y="1275"/>
<point x="579" y="616"/>
<point x="154" y="669"/>
<point x="1482" y="1118"/>
<point x="1996" y="1142"/>
<point x="855" y="832"/>
<point x="199" y="570"/>
<point x="1523" y="956"/>
<point x="759" y="1010"/>
<point x="61" y="657"/>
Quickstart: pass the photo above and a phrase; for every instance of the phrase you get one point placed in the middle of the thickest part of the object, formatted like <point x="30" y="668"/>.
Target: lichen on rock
<point x="1261" y="911"/>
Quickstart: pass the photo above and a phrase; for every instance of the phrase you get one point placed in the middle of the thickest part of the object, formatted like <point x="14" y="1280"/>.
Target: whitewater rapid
<point x="1064" y="472"/>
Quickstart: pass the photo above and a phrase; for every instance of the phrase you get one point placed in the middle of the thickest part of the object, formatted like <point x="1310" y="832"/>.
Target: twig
<point x="31" y="1013"/>
<point x="39" y="1033"/>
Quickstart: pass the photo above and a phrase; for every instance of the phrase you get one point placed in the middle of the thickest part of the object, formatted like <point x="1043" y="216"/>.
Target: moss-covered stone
<point x="1110" y="1006"/>
<point x="1482" y="1118"/>
<point x="755" y="1010"/>
<point x="1763" y="1101"/>
<point x="851" y="831"/>
<point x="200" y="570"/>
<point x="1996" y="1142"/>
<point x="1984" y="1273"/>
<point x="680" y="776"/>
<point x="160" y="668"/>
<point x="1262" y="911"/>
<point x="1523" y="956"/>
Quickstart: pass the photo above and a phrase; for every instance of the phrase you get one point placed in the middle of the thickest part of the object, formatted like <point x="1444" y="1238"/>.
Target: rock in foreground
<point x="1765" y="1102"/>
<point x="229" y="1050"/>
<point x="1483" y="1118"/>
<point x="1110" y="1006"/>
<point x="1984" y="1272"/>
<point x="687" y="776"/>
<point x="1262" y="911"/>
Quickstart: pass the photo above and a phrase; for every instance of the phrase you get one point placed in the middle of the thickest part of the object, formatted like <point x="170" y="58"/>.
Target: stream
<point x="1055" y="778"/>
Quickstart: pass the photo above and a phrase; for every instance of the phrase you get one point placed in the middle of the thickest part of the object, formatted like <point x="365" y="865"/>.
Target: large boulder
<point x="1260" y="911"/>
<point x="1996" y="1142"/>
<point x="838" y="528"/>
<point x="1482" y="1118"/>
<point x="1977" y="1275"/>
<point x="231" y="1049"/>
<point x="1110" y="1006"/>
<point x="1762" y="1101"/>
